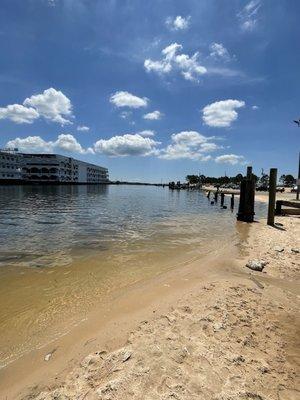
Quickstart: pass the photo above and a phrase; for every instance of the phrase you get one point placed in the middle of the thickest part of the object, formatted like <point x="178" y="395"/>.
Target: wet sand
<point x="43" y="303"/>
<point x="211" y="330"/>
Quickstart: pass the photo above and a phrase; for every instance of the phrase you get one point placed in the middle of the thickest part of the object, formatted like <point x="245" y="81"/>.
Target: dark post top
<point x="247" y="194"/>
<point x="249" y="172"/>
<point x="272" y="196"/>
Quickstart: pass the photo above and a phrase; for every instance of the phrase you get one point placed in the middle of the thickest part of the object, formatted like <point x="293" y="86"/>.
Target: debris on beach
<point x="170" y="318"/>
<point x="256" y="265"/>
<point x="49" y="355"/>
<point x="218" y="326"/>
<point x="293" y="250"/>
<point x="126" y="355"/>
<point x="278" y="249"/>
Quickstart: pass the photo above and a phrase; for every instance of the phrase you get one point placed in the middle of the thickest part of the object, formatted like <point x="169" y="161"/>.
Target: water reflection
<point x="36" y="220"/>
<point x="64" y="248"/>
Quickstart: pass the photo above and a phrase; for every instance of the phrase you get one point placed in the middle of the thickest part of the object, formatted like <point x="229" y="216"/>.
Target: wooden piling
<point x="278" y="209"/>
<point x="208" y="194"/>
<point x="232" y="202"/>
<point x="298" y="181"/>
<point x="222" y="199"/>
<point x="287" y="211"/>
<point x="247" y="193"/>
<point x="249" y="172"/>
<point x="216" y="196"/>
<point x="272" y="196"/>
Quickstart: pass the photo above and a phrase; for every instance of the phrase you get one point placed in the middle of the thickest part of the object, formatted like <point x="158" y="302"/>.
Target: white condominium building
<point x="49" y="168"/>
<point x="10" y="168"/>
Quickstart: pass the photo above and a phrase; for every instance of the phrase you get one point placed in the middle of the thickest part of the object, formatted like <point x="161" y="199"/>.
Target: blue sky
<point x="156" y="89"/>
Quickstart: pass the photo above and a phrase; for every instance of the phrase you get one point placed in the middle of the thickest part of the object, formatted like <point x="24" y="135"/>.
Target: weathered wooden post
<point x="278" y="209"/>
<point x="298" y="181"/>
<point x="222" y="199"/>
<point x="208" y="194"/>
<point x="247" y="193"/>
<point x="272" y="195"/>
<point x="216" y="196"/>
<point x="232" y="202"/>
<point x="249" y="172"/>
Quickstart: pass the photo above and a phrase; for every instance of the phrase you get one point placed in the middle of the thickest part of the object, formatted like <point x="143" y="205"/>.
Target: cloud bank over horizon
<point x="189" y="145"/>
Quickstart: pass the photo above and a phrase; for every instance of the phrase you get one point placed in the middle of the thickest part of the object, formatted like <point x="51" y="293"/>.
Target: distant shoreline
<point x="11" y="182"/>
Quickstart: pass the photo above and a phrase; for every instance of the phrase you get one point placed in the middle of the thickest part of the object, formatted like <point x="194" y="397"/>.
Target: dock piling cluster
<point x="247" y="193"/>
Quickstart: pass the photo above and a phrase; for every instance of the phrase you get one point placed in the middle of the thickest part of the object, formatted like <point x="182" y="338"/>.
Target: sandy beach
<point x="214" y="330"/>
<point x="259" y="196"/>
<point x="149" y="200"/>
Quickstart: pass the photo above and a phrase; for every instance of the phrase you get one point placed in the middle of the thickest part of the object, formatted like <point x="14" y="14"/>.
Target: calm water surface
<point x="64" y="249"/>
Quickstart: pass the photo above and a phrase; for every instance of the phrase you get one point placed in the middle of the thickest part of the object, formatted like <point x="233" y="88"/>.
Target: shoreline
<point x="262" y="197"/>
<point x="120" y="309"/>
<point x="179" y="305"/>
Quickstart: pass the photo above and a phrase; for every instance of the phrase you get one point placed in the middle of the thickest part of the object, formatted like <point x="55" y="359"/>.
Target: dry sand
<point x="259" y="196"/>
<point x="236" y="336"/>
<point x="264" y="196"/>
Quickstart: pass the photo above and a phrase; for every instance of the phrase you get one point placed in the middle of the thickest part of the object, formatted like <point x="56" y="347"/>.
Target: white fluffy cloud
<point x="218" y="51"/>
<point x="189" y="145"/>
<point x="184" y="145"/>
<point x="52" y="105"/>
<point x="126" y="99"/>
<point x="232" y="159"/>
<point x="19" y="114"/>
<point x="68" y="143"/>
<point x="147" y="133"/>
<point x="155" y="115"/>
<point x="126" y="145"/>
<point x="83" y="128"/>
<point x="160" y="67"/>
<point x="221" y="114"/>
<point x="178" y="23"/>
<point x="32" y="144"/>
<point x="35" y="144"/>
<point x="187" y="65"/>
<point x="249" y="15"/>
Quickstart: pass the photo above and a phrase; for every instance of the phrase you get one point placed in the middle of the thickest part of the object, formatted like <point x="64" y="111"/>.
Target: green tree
<point x="264" y="180"/>
<point x="192" y="179"/>
<point x="237" y="179"/>
<point x="289" y="180"/>
<point x="202" y="178"/>
<point x="224" y="180"/>
<point x="282" y="179"/>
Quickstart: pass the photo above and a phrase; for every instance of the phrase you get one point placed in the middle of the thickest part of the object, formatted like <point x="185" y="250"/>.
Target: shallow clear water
<point x="63" y="249"/>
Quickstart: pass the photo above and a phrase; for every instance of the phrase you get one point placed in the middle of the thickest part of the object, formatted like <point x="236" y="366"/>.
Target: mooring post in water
<point x="272" y="195"/>
<point x="232" y="202"/>
<point x="247" y="193"/>
<point x="208" y="194"/>
<point x="222" y="199"/>
<point x="216" y="196"/>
